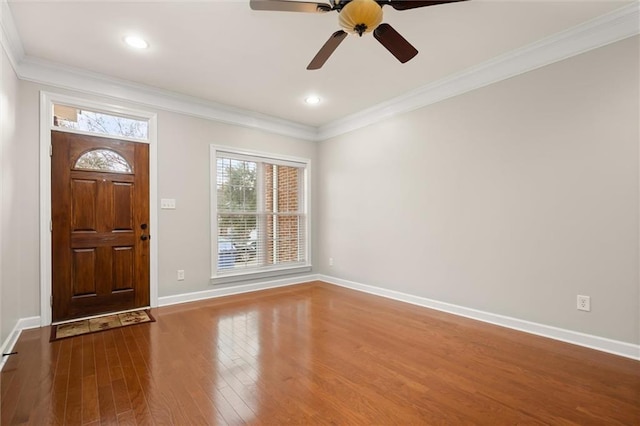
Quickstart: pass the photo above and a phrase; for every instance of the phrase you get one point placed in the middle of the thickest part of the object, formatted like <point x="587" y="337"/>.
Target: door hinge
<point x="50" y="150"/>
<point x="51" y="300"/>
<point x="50" y="226"/>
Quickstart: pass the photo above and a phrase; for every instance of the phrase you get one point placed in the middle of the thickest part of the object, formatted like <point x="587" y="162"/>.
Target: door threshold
<point x="100" y="315"/>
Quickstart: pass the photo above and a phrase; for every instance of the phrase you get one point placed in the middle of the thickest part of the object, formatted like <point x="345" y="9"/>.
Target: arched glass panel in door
<point x="103" y="160"/>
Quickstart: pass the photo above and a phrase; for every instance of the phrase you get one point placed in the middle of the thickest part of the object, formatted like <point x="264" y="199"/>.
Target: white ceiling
<point x="222" y="51"/>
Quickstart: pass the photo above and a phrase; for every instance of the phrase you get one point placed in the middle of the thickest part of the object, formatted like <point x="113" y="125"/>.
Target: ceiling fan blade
<point x="325" y="51"/>
<point x="394" y="42"/>
<point x="289" y="6"/>
<point x="413" y="4"/>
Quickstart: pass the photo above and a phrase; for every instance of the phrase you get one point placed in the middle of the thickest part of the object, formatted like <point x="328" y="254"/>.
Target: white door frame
<point x="47" y="99"/>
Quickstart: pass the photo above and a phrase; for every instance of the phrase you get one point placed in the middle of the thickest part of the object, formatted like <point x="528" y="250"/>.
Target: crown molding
<point x="79" y="80"/>
<point x="9" y="38"/>
<point x="56" y="75"/>
<point x="617" y="25"/>
<point x="606" y="29"/>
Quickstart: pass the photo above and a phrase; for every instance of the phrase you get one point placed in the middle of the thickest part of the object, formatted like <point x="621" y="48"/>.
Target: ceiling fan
<point x="356" y="17"/>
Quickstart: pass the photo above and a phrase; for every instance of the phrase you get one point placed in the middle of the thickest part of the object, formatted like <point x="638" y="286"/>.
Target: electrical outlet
<point x="331" y="261"/>
<point x="180" y="274"/>
<point x="584" y="303"/>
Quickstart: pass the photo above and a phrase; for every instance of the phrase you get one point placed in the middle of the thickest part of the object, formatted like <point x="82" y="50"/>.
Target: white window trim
<point x="234" y="277"/>
<point x="47" y="100"/>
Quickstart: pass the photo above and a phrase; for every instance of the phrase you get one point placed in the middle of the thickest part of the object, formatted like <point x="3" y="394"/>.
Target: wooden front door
<point x="100" y="211"/>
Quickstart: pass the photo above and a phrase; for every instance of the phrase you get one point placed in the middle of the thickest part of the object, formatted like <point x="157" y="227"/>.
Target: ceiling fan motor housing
<point x="360" y="16"/>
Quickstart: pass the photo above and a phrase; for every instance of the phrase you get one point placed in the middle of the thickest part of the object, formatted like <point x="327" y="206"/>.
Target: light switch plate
<point x="168" y="203"/>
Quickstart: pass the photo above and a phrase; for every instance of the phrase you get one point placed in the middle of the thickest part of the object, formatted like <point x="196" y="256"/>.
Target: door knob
<point x="144" y="237"/>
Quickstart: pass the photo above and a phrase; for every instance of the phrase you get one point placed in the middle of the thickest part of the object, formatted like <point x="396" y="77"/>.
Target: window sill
<point x="236" y="277"/>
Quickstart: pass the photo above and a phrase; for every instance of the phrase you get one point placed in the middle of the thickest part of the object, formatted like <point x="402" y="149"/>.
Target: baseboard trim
<point x="603" y="344"/>
<point x="10" y="341"/>
<point x="233" y="290"/>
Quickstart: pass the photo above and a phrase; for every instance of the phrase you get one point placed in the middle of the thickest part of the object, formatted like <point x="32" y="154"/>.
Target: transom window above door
<point x="84" y="120"/>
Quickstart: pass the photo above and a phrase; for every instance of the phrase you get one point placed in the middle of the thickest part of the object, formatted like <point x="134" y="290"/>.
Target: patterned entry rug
<point x="93" y="325"/>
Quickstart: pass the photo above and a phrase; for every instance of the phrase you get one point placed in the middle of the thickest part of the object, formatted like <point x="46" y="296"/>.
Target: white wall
<point x="10" y="200"/>
<point x="510" y="199"/>
<point x="183" y="174"/>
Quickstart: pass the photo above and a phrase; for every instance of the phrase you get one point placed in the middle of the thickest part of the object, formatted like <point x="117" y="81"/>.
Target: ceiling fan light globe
<point x="360" y="16"/>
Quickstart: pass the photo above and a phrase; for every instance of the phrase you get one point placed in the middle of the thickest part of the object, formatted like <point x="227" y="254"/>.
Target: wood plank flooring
<point x="313" y="354"/>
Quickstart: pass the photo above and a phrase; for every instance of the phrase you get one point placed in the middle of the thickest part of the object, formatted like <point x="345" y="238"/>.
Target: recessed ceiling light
<point x="312" y="100"/>
<point x="137" y="42"/>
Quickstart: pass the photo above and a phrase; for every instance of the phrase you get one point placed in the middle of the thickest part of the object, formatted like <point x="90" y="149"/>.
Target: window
<point x="69" y="117"/>
<point x="260" y="221"/>
<point x="103" y="160"/>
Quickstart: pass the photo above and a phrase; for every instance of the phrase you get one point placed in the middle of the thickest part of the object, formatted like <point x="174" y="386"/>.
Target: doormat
<point x="93" y="325"/>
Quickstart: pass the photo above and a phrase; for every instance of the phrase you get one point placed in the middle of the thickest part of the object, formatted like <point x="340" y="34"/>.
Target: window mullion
<point x="300" y="211"/>
<point x="260" y="208"/>
<point x="274" y="217"/>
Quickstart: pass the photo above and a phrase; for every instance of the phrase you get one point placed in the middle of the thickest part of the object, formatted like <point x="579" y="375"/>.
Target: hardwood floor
<point x="313" y="354"/>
